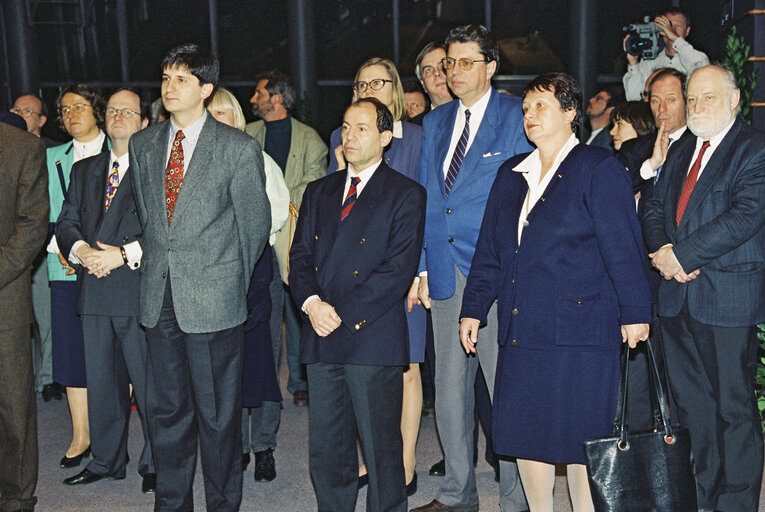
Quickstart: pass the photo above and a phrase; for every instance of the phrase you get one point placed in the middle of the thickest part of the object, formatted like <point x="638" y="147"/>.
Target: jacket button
<point x="315" y="237"/>
<point x="355" y="273"/>
<point x="363" y="241"/>
<point x="164" y="275"/>
<point x="514" y="342"/>
<point x="124" y="239"/>
<point x="516" y="251"/>
<point x="560" y="176"/>
<point x="448" y="210"/>
<point x="543" y="199"/>
<point x="515" y="311"/>
<point x="451" y="240"/>
<point x="315" y="269"/>
<point x="357" y="326"/>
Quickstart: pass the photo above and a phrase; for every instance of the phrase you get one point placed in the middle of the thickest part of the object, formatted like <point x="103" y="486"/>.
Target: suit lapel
<point x="119" y="204"/>
<point x="96" y="191"/>
<point x="156" y="162"/>
<point x="199" y="165"/>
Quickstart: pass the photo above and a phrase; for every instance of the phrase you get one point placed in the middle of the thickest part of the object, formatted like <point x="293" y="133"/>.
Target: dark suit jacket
<point x="603" y="139"/>
<point x="83" y="218"/>
<point x="23" y="220"/>
<point x="722" y="231"/>
<point x="363" y="266"/>
<point x="220" y="226"/>
<point x="453" y="222"/>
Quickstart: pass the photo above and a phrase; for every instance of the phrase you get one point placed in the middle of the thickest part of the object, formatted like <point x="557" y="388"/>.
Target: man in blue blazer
<point x="353" y="258"/>
<point x="464" y="143"/>
<point x="98" y="231"/>
<point x="705" y="228"/>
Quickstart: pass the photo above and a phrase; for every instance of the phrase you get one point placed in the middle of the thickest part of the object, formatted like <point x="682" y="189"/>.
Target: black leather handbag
<point x="643" y="471"/>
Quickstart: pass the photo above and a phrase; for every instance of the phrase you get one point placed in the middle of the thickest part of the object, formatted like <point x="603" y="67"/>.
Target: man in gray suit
<point x="23" y="227"/>
<point x="200" y="191"/>
<point x="98" y="232"/>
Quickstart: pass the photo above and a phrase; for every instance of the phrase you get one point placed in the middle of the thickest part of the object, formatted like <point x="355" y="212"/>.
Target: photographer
<point x="674" y="26"/>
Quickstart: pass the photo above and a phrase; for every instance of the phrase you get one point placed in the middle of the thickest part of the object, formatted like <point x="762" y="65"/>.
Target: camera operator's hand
<point x="631" y="59"/>
<point x="665" y="28"/>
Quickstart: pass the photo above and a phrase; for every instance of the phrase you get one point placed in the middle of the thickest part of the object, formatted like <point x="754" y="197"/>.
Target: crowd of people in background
<point x="452" y="246"/>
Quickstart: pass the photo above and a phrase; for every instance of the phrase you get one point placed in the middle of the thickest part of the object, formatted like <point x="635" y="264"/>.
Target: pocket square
<point x="486" y="155"/>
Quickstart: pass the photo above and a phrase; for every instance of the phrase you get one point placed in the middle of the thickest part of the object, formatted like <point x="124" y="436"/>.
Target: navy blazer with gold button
<point x="363" y="266"/>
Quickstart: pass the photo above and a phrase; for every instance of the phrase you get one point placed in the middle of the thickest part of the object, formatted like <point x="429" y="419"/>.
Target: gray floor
<point x="290" y="491"/>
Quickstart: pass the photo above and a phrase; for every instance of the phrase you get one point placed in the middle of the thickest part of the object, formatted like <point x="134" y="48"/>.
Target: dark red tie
<point x="350" y="198"/>
<point x="174" y="175"/>
<point x="690" y="182"/>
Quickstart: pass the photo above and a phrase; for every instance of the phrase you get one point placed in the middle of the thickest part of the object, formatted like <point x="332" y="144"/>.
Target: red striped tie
<point x="458" y="156"/>
<point x="350" y="198"/>
<point x="690" y="182"/>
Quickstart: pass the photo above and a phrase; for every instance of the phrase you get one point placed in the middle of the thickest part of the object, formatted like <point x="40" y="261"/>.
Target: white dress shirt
<point x="477" y="112"/>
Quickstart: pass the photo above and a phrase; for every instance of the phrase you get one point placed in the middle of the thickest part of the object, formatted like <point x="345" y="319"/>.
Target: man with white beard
<point x="705" y="226"/>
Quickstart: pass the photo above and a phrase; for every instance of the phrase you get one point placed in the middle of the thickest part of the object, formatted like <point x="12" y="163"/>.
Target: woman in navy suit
<point x="560" y="249"/>
<point x="378" y="78"/>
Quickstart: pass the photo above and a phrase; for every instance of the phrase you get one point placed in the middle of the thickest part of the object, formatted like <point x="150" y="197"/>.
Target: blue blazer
<point x="362" y="266"/>
<point x="452" y="224"/>
<point x="722" y="231"/>
<point x="577" y="275"/>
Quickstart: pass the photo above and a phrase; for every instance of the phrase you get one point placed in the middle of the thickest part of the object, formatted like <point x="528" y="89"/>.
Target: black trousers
<point x="347" y="398"/>
<point x="711" y="370"/>
<point x="194" y="384"/>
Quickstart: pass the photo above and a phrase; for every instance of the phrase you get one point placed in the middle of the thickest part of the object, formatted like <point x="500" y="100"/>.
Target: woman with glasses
<point x="81" y="114"/>
<point x="378" y="78"/>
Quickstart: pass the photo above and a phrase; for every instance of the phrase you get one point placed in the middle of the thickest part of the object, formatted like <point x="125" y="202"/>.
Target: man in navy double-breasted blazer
<point x="352" y="261"/>
<point x="463" y="144"/>
<point x="705" y="228"/>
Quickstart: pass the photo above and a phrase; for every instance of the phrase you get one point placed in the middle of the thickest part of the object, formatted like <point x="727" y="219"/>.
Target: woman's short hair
<point x="638" y="114"/>
<point x="91" y="94"/>
<point x="223" y="99"/>
<point x="566" y="91"/>
<point x="398" y="109"/>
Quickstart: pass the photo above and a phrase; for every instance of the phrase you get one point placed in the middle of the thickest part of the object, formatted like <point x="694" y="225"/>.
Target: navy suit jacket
<point x="722" y="231"/>
<point x="577" y="275"/>
<point x="453" y="223"/>
<point x="83" y="218"/>
<point x="362" y="266"/>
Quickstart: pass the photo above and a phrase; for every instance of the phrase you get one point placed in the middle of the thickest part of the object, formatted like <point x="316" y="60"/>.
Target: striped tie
<point x="458" y="156"/>
<point x="111" y="184"/>
<point x="350" y="199"/>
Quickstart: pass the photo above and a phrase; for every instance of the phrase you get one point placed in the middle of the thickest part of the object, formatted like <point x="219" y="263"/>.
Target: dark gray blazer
<point x="722" y="232"/>
<point x="83" y="217"/>
<point x="220" y="226"/>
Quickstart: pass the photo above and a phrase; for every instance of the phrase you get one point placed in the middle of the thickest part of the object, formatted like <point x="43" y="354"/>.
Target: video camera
<point x="645" y="40"/>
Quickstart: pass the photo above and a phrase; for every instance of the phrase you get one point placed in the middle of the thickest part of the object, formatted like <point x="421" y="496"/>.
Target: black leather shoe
<point x="245" y="461"/>
<point x="438" y="469"/>
<point x="51" y="392"/>
<point x="265" y="466"/>
<point x="300" y="398"/>
<point x="73" y="462"/>
<point x="411" y="487"/>
<point x="85" y="476"/>
<point x="363" y="480"/>
<point x="149" y="484"/>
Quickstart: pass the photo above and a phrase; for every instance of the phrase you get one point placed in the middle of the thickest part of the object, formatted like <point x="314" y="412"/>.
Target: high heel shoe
<point x="73" y="462"/>
<point x="411" y="487"/>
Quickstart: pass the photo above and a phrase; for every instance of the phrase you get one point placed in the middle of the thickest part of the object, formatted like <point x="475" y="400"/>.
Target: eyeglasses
<point x="126" y="113"/>
<point x="464" y="63"/>
<point x="375" y="85"/>
<point x="24" y="112"/>
<point x="429" y="70"/>
<point x="77" y="107"/>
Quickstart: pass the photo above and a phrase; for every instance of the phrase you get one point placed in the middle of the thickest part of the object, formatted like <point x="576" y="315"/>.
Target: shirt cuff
<point x="424" y="273"/>
<point x="73" y="253"/>
<point x="133" y="252"/>
<point x="646" y="171"/>
<point x="308" y="301"/>
<point x="52" y="246"/>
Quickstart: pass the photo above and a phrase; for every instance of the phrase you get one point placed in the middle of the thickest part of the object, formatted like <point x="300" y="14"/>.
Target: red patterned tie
<point x="690" y="182"/>
<point x="174" y="175"/>
<point x="350" y="198"/>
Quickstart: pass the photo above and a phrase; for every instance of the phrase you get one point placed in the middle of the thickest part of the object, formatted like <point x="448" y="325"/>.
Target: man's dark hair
<point x="665" y="73"/>
<point x="43" y="108"/>
<point x="615" y="95"/>
<point x="434" y="45"/>
<point x="145" y="105"/>
<point x="566" y="91"/>
<point x="476" y="33"/>
<point x="200" y="63"/>
<point x="91" y="94"/>
<point x="279" y="83"/>
<point x="384" y="116"/>
<point x="638" y="114"/>
<point x="675" y="10"/>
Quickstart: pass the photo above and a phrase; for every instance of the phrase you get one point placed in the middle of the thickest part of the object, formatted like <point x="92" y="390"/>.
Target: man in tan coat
<point x="23" y="227"/>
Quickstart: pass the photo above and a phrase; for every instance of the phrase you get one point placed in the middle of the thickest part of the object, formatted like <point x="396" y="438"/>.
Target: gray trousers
<point x="455" y="404"/>
<point x="260" y="426"/>
<point x="43" y="362"/>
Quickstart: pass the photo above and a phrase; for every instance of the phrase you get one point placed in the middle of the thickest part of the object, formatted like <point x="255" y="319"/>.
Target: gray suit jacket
<point x="220" y="226"/>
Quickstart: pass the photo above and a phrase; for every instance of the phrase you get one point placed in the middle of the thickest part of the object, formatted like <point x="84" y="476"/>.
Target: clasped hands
<point x="324" y="319"/>
<point x="100" y="262"/>
<point x="665" y="261"/>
